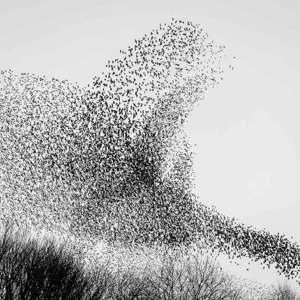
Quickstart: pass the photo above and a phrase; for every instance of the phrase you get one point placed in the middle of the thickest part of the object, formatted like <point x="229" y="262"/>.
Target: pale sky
<point x="247" y="130"/>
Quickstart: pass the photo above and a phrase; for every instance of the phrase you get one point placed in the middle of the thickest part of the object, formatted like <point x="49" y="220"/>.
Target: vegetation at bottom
<point x="285" y="292"/>
<point x="33" y="269"/>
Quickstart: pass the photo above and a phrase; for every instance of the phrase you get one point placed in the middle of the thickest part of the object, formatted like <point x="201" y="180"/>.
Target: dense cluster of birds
<point x="111" y="161"/>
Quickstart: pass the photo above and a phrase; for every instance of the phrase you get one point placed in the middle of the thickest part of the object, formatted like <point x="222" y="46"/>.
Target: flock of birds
<point x="111" y="161"/>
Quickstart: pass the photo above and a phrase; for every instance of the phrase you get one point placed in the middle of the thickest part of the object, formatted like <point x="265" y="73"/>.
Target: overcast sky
<point x="247" y="159"/>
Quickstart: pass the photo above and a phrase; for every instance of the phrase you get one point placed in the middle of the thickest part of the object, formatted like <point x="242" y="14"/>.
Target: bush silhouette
<point x="35" y="270"/>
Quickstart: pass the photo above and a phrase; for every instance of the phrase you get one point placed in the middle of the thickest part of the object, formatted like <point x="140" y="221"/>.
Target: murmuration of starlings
<point x="111" y="160"/>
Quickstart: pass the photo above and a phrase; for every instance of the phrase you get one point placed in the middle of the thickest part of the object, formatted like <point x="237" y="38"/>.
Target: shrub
<point x="284" y="292"/>
<point x="31" y="270"/>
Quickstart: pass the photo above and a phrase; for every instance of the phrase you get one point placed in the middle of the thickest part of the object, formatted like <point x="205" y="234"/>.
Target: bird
<point x="112" y="158"/>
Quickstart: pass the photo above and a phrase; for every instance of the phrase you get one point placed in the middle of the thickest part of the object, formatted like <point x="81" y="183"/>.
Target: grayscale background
<point x="246" y="131"/>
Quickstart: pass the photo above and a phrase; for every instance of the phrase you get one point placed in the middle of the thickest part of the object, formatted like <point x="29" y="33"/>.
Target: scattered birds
<point x="111" y="161"/>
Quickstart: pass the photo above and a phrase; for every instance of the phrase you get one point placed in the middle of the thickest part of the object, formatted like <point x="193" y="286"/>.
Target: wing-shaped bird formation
<point x="111" y="161"/>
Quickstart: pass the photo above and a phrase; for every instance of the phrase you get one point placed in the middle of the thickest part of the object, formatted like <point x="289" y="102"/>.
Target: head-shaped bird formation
<point x="111" y="160"/>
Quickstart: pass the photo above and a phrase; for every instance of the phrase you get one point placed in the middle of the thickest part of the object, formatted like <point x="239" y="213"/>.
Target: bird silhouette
<point x="112" y="161"/>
